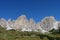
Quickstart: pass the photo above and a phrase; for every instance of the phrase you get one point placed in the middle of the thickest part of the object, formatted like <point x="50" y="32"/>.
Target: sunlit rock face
<point x="23" y="24"/>
<point x="32" y="24"/>
<point x="3" y="22"/>
<point x="47" y="23"/>
<point x="22" y="20"/>
<point x="9" y="24"/>
<point x="56" y="25"/>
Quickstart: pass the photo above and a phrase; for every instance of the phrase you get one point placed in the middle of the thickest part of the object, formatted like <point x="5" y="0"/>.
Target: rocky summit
<point x="23" y="24"/>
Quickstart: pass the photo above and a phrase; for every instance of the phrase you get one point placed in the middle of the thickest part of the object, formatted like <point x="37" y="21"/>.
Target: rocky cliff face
<point x="3" y="22"/>
<point x="47" y="23"/>
<point x="23" y="24"/>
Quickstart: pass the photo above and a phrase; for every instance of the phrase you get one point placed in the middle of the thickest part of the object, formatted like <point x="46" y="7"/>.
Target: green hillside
<point x="18" y="35"/>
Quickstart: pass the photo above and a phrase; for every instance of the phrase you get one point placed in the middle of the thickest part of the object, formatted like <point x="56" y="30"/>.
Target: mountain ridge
<point x="23" y="24"/>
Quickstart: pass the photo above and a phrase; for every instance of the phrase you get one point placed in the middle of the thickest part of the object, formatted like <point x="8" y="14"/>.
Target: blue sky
<point x="36" y="9"/>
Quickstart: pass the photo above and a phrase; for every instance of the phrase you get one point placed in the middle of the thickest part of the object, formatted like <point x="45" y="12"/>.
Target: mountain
<point x="3" y="22"/>
<point x="47" y="23"/>
<point x="23" y="24"/>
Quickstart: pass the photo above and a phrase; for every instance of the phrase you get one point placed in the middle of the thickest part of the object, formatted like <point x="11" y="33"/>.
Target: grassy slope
<point x="16" y="35"/>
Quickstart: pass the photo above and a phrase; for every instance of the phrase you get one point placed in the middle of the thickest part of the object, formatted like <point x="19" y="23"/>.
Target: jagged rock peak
<point x="2" y="19"/>
<point x="3" y="22"/>
<point x="21" y="17"/>
<point x="22" y="20"/>
<point x="49" y="17"/>
<point x="32" y="21"/>
<point x="47" y="23"/>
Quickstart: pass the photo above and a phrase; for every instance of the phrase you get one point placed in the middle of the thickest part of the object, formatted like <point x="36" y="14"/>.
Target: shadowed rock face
<point x="47" y="23"/>
<point x="58" y="24"/>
